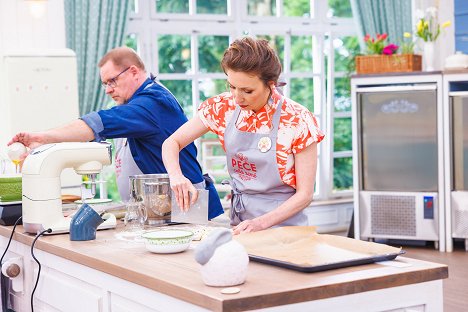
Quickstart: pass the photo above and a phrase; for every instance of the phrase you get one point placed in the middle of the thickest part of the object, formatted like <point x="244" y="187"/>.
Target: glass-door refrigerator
<point x="456" y="157"/>
<point x="397" y="158"/>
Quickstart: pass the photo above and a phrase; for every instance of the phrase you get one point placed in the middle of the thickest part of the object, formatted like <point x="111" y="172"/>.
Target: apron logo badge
<point x="264" y="144"/>
<point x="243" y="168"/>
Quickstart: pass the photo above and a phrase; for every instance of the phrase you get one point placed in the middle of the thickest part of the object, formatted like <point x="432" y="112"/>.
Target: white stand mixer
<point x="42" y="203"/>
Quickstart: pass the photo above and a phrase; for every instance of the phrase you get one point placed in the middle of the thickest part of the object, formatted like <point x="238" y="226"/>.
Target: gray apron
<point x="255" y="180"/>
<point x="125" y="167"/>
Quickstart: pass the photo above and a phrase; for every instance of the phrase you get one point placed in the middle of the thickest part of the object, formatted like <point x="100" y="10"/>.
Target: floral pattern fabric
<point x="297" y="129"/>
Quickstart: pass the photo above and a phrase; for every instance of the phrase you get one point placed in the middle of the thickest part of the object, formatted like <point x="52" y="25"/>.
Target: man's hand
<point x="28" y="139"/>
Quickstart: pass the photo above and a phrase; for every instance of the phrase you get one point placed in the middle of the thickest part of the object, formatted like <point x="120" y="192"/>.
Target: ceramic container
<point x="167" y="241"/>
<point x="456" y="61"/>
<point x="10" y="187"/>
<point x="84" y="223"/>
<point x="227" y="267"/>
<point x="224" y="261"/>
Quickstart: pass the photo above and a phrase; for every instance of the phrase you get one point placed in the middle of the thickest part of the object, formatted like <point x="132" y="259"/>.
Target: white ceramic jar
<point x="224" y="261"/>
<point x="227" y="267"/>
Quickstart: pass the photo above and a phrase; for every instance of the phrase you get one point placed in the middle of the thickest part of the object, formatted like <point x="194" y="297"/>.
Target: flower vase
<point x="428" y="55"/>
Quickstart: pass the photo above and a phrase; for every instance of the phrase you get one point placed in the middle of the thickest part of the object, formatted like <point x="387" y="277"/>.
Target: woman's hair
<point x="122" y="57"/>
<point x="252" y="56"/>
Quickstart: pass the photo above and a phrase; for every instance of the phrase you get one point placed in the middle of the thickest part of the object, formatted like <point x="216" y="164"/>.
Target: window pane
<point x="345" y="50"/>
<point x="172" y="6"/>
<point x="277" y="43"/>
<point x="342" y="174"/>
<point x="210" y="52"/>
<point x="343" y="137"/>
<point x="302" y="91"/>
<point x="131" y="41"/>
<point x="212" y="6"/>
<point x="342" y="95"/>
<point x="211" y="87"/>
<point x="182" y="90"/>
<point x="339" y="8"/>
<point x="134" y="6"/>
<point x="297" y="8"/>
<point x="174" y="54"/>
<point x="261" y="7"/>
<point x="301" y="53"/>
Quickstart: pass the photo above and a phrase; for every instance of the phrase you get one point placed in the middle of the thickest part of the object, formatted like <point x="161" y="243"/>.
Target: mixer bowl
<point x="10" y="187"/>
<point x="158" y="207"/>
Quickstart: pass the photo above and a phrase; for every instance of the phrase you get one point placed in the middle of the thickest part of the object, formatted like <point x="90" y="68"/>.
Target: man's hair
<point x="253" y="56"/>
<point x="122" y="57"/>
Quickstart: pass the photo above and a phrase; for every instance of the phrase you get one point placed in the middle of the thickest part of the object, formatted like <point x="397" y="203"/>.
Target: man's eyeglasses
<point x="113" y="81"/>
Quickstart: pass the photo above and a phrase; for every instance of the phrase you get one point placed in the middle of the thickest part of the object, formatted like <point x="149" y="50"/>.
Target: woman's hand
<point x="184" y="191"/>
<point x="248" y="226"/>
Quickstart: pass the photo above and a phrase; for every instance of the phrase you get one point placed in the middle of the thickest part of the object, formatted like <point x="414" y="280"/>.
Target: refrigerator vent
<point x="393" y="215"/>
<point x="460" y="221"/>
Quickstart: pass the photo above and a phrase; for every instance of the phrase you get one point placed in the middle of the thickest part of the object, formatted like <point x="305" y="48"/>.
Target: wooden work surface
<point x="178" y="275"/>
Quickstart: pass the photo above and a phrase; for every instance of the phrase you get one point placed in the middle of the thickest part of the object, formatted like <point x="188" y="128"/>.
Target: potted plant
<point x="428" y="30"/>
<point x="382" y="56"/>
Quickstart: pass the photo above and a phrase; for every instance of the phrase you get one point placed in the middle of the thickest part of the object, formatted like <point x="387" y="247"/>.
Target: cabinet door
<point x="57" y="291"/>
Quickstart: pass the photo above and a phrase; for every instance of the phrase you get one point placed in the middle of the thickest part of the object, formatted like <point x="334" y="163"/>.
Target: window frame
<point x="148" y="24"/>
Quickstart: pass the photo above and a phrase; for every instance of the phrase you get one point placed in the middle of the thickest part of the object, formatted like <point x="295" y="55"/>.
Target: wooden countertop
<point x="178" y="275"/>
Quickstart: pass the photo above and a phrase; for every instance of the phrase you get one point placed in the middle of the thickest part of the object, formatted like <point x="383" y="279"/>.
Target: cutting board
<point x="198" y="212"/>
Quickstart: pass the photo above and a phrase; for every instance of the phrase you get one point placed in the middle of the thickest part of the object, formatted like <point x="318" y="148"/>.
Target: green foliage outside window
<point x="343" y="173"/>
<point x="210" y="53"/>
<point x="172" y="6"/>
<point x="261" y="7"/>
<point x="131" y="41"/>
<point x="345" y="50"/>
<point x="340" y="8"/>
<point x="296" y="8"/>
<point x="302" y="91"/>
<point x="174" y="53"/>
<point x="182" y="6"/>
<point x="212" y="6"/>
<point x="301" y="49"/>
<point x="343" y="141"/>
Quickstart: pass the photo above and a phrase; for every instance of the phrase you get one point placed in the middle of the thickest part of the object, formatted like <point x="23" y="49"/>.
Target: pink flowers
<point x="390" y="49"/>
<point x="378" y="45"/>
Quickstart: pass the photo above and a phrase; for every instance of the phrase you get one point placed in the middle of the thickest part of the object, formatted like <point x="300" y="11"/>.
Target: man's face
<point x="120" y="82"/>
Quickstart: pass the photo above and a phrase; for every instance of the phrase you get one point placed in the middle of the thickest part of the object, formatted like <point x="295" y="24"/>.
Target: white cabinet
<point x="67" y="286"/>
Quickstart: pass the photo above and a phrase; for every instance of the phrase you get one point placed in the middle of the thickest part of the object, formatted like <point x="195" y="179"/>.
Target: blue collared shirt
<point x="149" y="117"/>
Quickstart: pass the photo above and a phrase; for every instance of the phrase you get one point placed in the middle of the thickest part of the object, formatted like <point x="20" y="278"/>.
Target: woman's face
<point x="249" y="92"/>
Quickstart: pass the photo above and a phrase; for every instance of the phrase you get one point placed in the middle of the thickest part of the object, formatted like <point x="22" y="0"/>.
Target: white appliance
<point x="38" y="91"/>
<point x="398" y="158"/>
<point x="42" y="203"/>
<point x="456" y="156"/>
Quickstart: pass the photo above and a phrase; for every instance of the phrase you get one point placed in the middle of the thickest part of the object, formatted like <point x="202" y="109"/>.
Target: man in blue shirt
<point x="145" y="115"/>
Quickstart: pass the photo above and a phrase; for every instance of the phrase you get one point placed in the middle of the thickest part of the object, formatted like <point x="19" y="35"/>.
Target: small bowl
<point x="167" y="241"/>
<point x="10" y="187"/>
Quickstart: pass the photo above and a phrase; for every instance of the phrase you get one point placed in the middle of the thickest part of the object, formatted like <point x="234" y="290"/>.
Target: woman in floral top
<point x="270" y="142"/>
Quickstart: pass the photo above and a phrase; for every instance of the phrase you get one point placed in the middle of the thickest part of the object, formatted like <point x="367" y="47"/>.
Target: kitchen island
<point x="108" y="274"/>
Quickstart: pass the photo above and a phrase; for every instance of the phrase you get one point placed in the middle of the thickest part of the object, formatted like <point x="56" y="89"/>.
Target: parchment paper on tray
<point x="301" y="248"/>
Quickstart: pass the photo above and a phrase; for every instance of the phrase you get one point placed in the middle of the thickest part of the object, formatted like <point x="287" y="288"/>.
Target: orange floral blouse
<point x="298" y="127"/>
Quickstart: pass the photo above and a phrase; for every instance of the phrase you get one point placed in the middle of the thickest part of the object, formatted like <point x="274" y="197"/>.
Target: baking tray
<point x="328" y="266"/>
